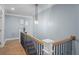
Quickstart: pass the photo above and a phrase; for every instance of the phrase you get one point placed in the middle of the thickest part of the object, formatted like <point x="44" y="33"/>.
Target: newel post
<point x="73" y="37"/>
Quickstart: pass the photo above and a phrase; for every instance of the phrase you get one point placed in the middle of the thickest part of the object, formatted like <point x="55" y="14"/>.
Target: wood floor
<point x="12" y="47"/>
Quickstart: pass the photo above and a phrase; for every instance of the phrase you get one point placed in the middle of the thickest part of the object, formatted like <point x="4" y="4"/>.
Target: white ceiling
<point x="24" y="9"/>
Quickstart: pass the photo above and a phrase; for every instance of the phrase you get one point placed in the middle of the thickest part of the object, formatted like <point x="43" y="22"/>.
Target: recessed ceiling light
<point x="12" y="8"/>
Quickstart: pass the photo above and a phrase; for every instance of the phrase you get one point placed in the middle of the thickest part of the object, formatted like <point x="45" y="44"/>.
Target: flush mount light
<point x="12" y="8"/>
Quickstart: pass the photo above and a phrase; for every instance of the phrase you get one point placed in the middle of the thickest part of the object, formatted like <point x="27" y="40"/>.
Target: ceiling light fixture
<point x="36" y="14"/>
<point x="12" y="8"/>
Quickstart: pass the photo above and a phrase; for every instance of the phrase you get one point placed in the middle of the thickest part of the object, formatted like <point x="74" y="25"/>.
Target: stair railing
<point x="64" y="47"/>
<point x="60" y="47"/>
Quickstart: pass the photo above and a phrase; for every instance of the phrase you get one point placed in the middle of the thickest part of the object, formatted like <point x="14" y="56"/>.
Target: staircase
<point x="35" y="46"/>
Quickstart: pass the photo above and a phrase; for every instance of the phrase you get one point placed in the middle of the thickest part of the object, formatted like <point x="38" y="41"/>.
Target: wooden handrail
<point x="56" y="42"/>
<point x="70" y="38"/>
<point x="35" y="39"/>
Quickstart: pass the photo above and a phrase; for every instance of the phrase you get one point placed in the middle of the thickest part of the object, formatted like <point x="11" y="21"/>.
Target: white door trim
<point x="3" y="25"/>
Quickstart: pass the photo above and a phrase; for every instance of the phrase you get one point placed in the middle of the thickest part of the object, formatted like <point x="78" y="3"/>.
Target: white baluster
<point x="54" y="49"/>
<point x="39" y="48"/>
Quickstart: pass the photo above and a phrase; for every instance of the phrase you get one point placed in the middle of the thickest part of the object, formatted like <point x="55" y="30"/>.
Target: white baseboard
<point x="12" y="38"/>
<point x="2" y="45"/>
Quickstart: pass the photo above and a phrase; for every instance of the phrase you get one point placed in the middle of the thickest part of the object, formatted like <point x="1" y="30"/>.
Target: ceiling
<point x="24" y="9"/>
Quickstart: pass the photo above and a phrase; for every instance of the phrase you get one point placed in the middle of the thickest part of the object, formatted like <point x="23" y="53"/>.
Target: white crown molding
<point x="18" y="15"/>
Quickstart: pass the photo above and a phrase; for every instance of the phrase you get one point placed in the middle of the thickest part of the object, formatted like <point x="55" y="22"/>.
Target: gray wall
<point x="12" y="25"/>
<point x="56" y="22"/>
